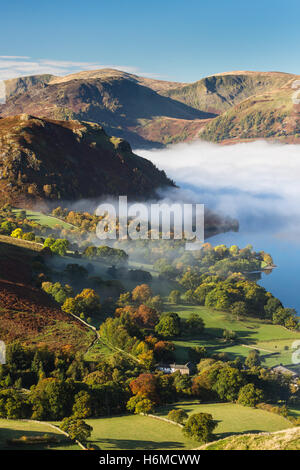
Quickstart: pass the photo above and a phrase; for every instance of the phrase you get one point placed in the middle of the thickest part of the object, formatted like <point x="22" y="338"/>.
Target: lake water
<point x="284" y="280"/>
<point x="268" y="231"/>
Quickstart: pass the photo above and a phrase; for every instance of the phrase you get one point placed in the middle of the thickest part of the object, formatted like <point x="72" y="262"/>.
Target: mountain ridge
<point x="154" y="113"/>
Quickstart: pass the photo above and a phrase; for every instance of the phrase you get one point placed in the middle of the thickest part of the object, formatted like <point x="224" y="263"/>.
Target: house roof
<point x="180" y="366"/>
<point x="284" y="370"/>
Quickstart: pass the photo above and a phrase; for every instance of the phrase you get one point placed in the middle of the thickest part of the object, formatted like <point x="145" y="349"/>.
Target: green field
<point x="44" y="219"/>
<point x="142" y="432"/>
<point x="271" y="339"/>
<point x="233" y="418"/>
<point x="138" y="433"/>
<point x="14" y="429"/>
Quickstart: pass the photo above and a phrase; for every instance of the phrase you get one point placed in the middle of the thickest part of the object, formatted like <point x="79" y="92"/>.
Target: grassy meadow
<point x="135" y="432"/>
<point x="233" y="418"/>
<point x="14" y="429"/>
<point x="44" y="219"/>
<point x="273" y="341"/>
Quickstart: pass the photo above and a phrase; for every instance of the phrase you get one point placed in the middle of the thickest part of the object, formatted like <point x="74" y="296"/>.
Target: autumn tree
<point x="145" y="385"/>
<point x="164" y="351"/>
<point x="17" y="233"/>
<point x="146" y="317"/>
<point x="141" y="293"/>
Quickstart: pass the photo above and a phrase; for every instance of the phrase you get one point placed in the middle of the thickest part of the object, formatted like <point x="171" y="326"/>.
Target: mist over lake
<point x="258" y="183"/>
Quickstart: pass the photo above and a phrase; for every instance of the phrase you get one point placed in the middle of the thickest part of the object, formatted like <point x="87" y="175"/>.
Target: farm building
<point x="171" y="368"/>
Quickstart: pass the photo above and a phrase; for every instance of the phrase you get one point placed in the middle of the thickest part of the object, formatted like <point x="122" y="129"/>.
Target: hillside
<point x="27" y="314"/>
<point x="44" y="160"/>
<point x="288" y="439"/>
<point x="118" y="101"/>
<point x="270" y="115"/>
<point x="238" y="105"/>
<point x="220" y="92"/>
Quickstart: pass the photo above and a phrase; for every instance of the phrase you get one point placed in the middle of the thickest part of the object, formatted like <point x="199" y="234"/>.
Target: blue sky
<point x="168" y="39"/>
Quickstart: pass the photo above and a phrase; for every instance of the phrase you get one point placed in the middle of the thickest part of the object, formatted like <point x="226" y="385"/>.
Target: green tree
<point x="29" y="236"/>
<point x="271" y="306"/>
<point x="90" y="252"/>
<point x="226" y="381"/>
<point x="52" y="399"/>
<point x="199" y="427"/>
<point x="82" y="407"/>
<point x="253" y="359"/>
<point x="194" y="324"/>
<point x="197" y="353"/>
<point x="169" y="325"/>
<point x="282" y="315"/>
<point x="124" y="299"/>
<point x="155" y="302"/>
<point x="250" y="396"/>
<point x="178" y="416"/>
<point x="58" y="247"/>
<point x="7" y="227"/>
<point x="218" y="298"/>
<point x="144" y="406"/>
<point x="140" y="404"/>
<point x="239" y="309"/>
<point x="70" y="305"/>
<point x="77" y="429"/>
<point x="174" y="297"/>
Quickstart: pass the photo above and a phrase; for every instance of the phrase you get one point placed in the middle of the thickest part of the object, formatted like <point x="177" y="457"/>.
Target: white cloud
<point x="18" y="66"/>
<point x="256" y="181"/>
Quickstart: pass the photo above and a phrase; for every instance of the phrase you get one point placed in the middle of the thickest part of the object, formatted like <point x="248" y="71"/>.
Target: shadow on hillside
<point x="135" y="444"/>
<point x="174" y="406"/>
<point x="8" y="434"/>
<point x="222" y="435"/>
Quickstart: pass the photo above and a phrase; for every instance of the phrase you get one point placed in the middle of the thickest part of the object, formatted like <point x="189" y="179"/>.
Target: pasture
<point x="274" y="341"/>
<point x="233" y="418"/>
<point x="15" y="429"/>
<point x="135" y="432"/>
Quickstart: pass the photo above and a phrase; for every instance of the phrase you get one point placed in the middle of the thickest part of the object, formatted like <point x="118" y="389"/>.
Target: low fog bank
<point x="256" y="182"/>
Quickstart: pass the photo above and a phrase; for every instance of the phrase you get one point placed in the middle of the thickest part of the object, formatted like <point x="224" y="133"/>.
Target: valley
<point x="124" y="345"/>
<point x="233" y="333"/>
